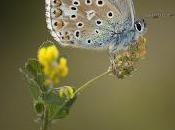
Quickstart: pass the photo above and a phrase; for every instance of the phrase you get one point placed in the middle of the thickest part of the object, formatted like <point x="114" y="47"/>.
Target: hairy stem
<point x="86" y="85"/>
<point x="44" y="121"/>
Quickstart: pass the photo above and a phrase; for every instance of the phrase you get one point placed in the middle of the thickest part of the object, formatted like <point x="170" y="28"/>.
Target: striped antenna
<point x="158" y="15"/>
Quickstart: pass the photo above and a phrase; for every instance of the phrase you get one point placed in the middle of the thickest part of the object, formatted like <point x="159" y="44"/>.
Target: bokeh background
<point x="145" y="101"/>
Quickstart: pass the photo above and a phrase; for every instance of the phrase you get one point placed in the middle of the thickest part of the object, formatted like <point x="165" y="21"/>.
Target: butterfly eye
<point x="76" y="2"/>
<point x="110" y="14"/>
<point x="88" y="2"/>
<point x="138" y="26"/>
<point x="99" y="2"/>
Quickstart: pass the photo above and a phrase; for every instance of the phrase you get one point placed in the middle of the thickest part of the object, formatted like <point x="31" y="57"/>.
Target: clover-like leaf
<point x="39" y="106"/>
<point x="34" y="76"/>
<point x="61" y="111"/>
<point x="35" y="69"/>
<point x="58" y="107"/>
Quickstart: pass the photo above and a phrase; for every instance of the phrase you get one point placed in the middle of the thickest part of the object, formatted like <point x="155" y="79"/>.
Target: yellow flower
<point x="42" y="56"/>
<point x="66" y="92"/>
<point x="52" y="53"/>
<point x="62" y="67"/>
<point x="63" y="61"/>
<point x="48" y="54"/>
<point x="53" y="67"/>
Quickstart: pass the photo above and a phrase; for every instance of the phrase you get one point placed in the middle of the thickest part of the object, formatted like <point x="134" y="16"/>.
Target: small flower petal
<point x="42" y="56"/>
<point x="62" y="67"/>
<point x="52" y="53"/>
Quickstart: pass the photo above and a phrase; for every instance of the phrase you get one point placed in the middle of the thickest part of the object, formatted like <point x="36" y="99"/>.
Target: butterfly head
<point x="137" y="31"/>
<point x="140" y="27"/>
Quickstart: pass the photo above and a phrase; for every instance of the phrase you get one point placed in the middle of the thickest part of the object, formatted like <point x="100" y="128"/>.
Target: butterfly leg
<point x="111" y="53"/>
<point x="112" y="56"/>
<point x="113" y="50"/>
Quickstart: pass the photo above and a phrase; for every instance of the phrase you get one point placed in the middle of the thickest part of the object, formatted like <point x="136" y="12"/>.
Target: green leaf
<point x="60" y="111"/>
<point x="51" y="97"/>
<point x="34" y="76"/>
<point x="39" y="106"/>
<point x="35" y="69"/>
<point x="58" y="107"/>
<point x="33" y="86"/>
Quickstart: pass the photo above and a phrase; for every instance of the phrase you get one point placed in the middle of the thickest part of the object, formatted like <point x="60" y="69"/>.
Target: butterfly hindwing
<point x="87" y="23"/>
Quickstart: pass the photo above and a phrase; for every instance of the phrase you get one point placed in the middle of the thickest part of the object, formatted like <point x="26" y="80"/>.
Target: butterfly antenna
<point x="158" y="15"/>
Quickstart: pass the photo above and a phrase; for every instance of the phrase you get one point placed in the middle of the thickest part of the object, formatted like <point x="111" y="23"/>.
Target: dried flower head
<point x="125" y="61"/>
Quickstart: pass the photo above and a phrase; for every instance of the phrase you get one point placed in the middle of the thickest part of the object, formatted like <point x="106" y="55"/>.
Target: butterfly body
<point x="126" y="37"/>
<point x="93" y="24"/>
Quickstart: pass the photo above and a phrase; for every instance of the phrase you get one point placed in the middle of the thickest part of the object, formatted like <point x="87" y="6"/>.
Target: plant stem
<point x="91" y="81"/>
<point x="44" y="123"/>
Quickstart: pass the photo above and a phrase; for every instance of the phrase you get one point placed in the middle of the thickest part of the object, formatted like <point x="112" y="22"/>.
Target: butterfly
<point x="94" y="24"/>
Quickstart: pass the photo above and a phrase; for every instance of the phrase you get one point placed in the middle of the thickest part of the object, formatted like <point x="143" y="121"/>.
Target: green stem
<point x="44" y="123"/>
<point x="86" y="85"/>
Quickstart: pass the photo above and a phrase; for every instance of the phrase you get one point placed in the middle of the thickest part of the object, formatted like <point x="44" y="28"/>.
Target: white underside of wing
<point x="89" y="17"/>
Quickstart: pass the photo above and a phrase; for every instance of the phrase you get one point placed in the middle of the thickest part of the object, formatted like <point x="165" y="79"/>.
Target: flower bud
<point x="66" y="92"/>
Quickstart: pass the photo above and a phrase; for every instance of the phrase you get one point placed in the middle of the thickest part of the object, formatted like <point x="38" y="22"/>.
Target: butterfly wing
<point x="127" y="11"/>
<point x="88" y="23"/>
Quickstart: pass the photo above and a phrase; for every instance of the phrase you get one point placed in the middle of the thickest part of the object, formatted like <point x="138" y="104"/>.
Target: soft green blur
<point x="145" y="101"/>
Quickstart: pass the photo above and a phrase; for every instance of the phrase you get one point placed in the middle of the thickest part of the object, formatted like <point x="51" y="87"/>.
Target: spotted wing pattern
<point x="88" y="23"/>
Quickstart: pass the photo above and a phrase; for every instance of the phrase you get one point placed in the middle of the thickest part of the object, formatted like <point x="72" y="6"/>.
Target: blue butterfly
<point x="94" y="24"/>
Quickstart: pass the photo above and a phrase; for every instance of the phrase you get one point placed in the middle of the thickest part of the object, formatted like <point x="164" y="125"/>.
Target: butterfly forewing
<point x="87" y="23"/>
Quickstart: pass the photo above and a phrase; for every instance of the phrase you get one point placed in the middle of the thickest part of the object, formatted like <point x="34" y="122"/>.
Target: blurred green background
<point x="145" y="101"/>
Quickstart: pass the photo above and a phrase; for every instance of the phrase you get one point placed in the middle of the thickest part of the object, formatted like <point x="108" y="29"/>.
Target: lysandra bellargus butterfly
<point x="94" y="24"/>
